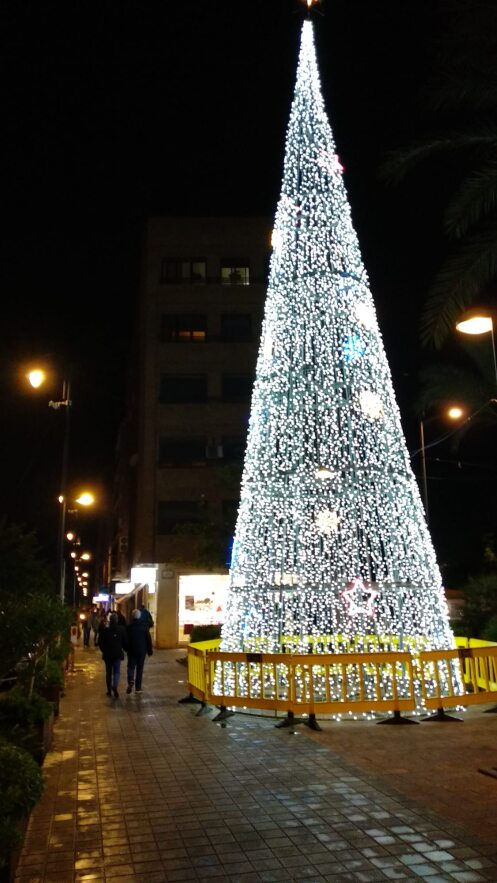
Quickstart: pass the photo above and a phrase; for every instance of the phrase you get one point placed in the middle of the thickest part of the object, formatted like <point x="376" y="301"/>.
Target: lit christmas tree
<point x="331" y="546"/>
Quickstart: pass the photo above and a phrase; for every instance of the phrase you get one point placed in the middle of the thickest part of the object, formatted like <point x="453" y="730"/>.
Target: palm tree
<point x="464" y="88"/>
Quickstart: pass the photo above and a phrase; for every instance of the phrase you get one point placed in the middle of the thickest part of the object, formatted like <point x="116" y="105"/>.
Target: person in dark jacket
<point x="146" y="616"/>
<point x="112" y="640"/>
<point x="139" y="646"/>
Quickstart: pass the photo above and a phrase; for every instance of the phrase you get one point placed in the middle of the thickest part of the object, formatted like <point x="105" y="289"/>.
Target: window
<point x="236" y="387"/>
<point x="171" y="514"/>
<point x="188" y="327"/>
<point x="235" y="271"/>
<point x="183" y="388"/>
<point x="192" y="270"/>
<point x="233" y="448"/>
<point x="236" y="326"/>
<point x="173" y="451"/>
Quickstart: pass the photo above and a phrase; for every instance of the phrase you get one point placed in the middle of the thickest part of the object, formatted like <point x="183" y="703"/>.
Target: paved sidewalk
<point x="139" y="789"/>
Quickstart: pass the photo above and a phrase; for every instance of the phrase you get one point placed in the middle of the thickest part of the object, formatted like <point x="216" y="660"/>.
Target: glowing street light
<point x="455" y="412"/>
<point x="85" y="499"/>
<point x="479" y="320"/>
<point x="36" y="377"/>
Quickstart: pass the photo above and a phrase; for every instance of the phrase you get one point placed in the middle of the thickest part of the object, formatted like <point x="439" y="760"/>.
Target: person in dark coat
<point x="112" y="641"/>
<point x="139" y="646"/>
<point x="146" y="616"/>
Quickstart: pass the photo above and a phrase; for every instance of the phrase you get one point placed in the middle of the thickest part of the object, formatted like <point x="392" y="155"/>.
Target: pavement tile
<point x="140" y="790"/>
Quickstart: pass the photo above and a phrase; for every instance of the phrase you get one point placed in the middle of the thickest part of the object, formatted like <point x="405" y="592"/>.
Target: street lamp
<point x="479" y="320"/>
<point x="453" y="413"/>
<point x="37" y="377"/>
<point x="85" y="499"/>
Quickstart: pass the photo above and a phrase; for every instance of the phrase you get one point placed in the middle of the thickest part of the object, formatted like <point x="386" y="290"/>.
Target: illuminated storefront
<point x="201" y="601"/>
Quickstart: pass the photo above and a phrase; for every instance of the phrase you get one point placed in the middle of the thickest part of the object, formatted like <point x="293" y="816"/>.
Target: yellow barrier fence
<point x="443" y="674"/>
<point x="312" y="684"/>
<point x="478" y="673"/>
<point x="197" y="668"/>
<point x="342" y="683"/>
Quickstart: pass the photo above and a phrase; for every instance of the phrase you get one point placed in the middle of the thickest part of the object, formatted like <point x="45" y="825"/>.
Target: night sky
<point x="118" y="111"/>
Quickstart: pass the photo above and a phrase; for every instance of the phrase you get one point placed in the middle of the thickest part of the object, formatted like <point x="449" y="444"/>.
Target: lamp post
<point x="453" y="413"/>
<point x="479" y="320"/>
<point x="37" y="377"/>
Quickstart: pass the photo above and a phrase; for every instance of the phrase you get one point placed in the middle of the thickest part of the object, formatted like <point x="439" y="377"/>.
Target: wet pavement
<point x="140" y="789"/>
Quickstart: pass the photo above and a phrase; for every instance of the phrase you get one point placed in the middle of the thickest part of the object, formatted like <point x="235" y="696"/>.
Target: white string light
<point x="326" y="562"/>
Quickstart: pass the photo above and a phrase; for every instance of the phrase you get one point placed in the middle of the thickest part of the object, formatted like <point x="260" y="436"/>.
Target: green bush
<point x="49" y="675"/>
<point x="480" y="604"/>
<point x="21" y="786"/>
<point x="59" y="650"/>
<point x="490" y="631"/>
<point x="21" y="719"/>
<point x="205" y="633"/>
<point x="29" y="626"/>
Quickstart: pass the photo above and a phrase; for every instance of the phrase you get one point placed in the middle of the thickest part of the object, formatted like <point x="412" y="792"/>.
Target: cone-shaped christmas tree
<point x="331" y="543"/>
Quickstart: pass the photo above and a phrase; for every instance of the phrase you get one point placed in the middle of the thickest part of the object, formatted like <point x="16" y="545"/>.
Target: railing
<point x="197" y="668"/>
<point x="317" y="684"/>
<point x="336" y="683"/>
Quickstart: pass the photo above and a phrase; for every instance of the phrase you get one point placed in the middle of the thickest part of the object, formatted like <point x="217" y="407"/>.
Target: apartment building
<point x="181" y="451"/>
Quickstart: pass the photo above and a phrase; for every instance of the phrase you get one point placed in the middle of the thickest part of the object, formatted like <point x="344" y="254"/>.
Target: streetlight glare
<point x="85" y="499"/>
<point x="36" y="377"/>
<point x="475" y="325"/>
<point x="86" y="556"/>
<point x="455" y="412"/>
<point x="70" y="536"/>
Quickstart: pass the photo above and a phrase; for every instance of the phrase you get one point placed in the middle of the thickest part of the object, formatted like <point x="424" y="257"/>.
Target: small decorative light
<point x="371" y="404"/>
<point x="323" y="473"/>
<point x="327" y="521"/>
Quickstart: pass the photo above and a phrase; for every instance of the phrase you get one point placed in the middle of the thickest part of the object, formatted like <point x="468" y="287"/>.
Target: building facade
<point x="181" y="447"/>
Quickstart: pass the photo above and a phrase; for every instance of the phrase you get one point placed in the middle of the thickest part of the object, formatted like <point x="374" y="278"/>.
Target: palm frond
<point x="458" y="89"/>
<point x="473" y="202"/>
<point x="461" y="280"/>
<point x="399" y="163"/>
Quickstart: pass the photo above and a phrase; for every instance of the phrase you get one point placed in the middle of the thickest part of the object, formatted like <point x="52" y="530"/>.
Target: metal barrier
<point x="317" y="684"/>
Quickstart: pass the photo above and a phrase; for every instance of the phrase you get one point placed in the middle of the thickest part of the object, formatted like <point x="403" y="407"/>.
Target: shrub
<point x="490" y="631"/>
<point x="205" y="633"/>
<point x="21" y="719"/>
<point x="21" y="786"/>
<point x="49" y="675"/>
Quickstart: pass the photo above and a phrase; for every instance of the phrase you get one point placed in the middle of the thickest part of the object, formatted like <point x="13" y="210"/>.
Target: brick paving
<point x="140" y="789"/>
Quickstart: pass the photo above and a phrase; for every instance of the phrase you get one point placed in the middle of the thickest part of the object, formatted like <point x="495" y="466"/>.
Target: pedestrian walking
<point x="121" y="619"/>
<point x="139" y="646"/>
<point x="86" y="629"/>
<point x="112" y="641"/>
<point x="95" y="622"/>
<point x="146" y="616"/>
